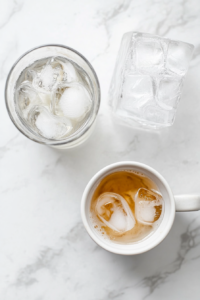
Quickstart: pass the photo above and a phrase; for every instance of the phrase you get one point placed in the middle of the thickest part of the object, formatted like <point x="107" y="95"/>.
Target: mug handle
<point x="187" y="202"/>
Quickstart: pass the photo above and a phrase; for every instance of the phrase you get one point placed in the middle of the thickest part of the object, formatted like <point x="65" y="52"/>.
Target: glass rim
<point x="88" y="125"/>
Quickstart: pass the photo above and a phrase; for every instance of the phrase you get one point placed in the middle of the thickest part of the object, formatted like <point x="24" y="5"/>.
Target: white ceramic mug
<point x="172" y="204"/>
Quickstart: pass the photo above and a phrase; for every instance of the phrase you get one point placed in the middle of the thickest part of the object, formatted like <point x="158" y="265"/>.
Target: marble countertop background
<point x="45" y="253"/>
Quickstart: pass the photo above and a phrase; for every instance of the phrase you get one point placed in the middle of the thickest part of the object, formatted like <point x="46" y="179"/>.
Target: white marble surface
<point x="45" y="253"/>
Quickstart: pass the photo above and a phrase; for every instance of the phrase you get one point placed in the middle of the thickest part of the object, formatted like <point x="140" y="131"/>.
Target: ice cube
<point x="169" y="90"/>
<point x="178" y="57"/>
<point x="48" y="125"/>
<point x="46" y="98"/>
<point x="136" y="91"/>
<point x="69" y="72"/>
<point x="157" y="115"/>
<point x="71" y="100"/>
<point x="114" y="212"/>
<point x="149" y="54"/>
<point x="29" y="75"/>
<point x="46" y="79"/>
<point x="148" y="206"/>
<point x="26" y="98"/>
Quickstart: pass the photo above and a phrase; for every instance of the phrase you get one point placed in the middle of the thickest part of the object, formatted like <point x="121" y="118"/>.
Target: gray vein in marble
<point x="120" y="8"/>
<point x="117" y="293"/>
<point x="188" y="242"/>
<point x="15" y="9"/>
<point x="114" y="295"/>
<point x="110" y="15"/>
<point x="132" y="146"/>
<point x="113" y="292"/>
<point x="26" y="276"/>
<point x="75" y="233"/>
<point x="158" y="28"/>
<point x="48" y="256"/>
<point x="182" y="21"/>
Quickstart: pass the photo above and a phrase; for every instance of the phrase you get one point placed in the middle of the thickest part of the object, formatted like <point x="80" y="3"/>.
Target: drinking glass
<point x="82" y="133"/>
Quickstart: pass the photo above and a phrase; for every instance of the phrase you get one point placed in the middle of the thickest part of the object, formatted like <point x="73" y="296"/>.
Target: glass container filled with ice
<point x="126" y="207"/>
<point x="53" y="96"/>
<point x="148" y="79"/>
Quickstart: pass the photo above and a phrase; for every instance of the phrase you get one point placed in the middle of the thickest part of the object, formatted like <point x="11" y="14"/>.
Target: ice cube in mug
<point x="113" y="210"/>
<point x="148" y="206"/>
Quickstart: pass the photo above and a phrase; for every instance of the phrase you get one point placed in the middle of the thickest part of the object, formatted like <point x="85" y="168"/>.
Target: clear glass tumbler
<point x="148" y="79"/>
<point x="42" y="52"/>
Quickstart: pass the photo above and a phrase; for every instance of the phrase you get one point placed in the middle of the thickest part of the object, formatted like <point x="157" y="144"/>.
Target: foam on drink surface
<point x="126" y="207"/>
<point x="53" y="97"/>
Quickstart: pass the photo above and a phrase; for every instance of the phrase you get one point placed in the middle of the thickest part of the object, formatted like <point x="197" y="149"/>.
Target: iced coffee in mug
<point x="128" y="207"/>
